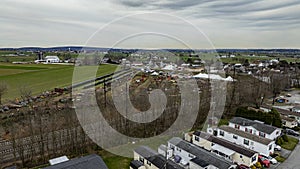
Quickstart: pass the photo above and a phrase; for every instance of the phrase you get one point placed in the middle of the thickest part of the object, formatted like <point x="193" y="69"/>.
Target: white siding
<point x="253" y="131"/>
<point x="253" y="145"/>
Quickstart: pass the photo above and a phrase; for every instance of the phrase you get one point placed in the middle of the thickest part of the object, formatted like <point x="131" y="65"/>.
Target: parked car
<point x="242" y="166"/>
<point x="292" y="132"/>
<point x="271" y="159"/>
<point x="264" y="161"/>
<point x="277" y="148"/>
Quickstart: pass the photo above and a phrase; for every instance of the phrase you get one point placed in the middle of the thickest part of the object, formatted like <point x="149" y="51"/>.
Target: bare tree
<point x="25" y="92"/>
<point x="3" y="90"/>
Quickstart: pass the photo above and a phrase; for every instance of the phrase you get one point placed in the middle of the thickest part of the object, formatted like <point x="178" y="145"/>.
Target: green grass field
<point x="42" y="77"/>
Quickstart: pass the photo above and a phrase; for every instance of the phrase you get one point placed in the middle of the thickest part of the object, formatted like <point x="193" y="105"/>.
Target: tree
<point x="3" y="90"/>
<point x="25" y="92"/>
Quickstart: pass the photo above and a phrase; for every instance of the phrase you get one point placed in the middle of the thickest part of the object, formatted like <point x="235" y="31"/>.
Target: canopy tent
<point x="212" y="76"/>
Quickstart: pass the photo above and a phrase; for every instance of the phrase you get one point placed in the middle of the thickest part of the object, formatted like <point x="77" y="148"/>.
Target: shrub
<point x="296" y="128"/>
<point x="258" y="165"/>
<point x="285" y="138"/>
<point x="279" y="141"/>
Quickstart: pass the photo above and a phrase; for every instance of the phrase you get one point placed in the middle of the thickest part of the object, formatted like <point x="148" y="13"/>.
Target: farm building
<point x="52" y="59"/>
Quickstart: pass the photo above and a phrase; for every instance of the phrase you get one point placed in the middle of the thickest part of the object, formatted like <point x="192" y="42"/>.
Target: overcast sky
<point x="123" y="23"/>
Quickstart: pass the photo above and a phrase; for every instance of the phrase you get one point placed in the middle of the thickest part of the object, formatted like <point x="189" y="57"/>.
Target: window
<point x="221" y="133"/>
<point x="246" y="130"/>
<point x="178" y="149"/>
<point x="191" y="156"/>
<point x="196" y="138"/>
<point x="277" y="132"/>
<point x="235" y="137"/>
<point x="142" y="160"/>
<point x="148" y="162"/>
<point x="246" y="142"/>
<point x="236" y="126"/>
<point x="250" y="131"/>
<point x="253" y="158"/>
<point x="261" y="134"/>
<point x="270" y="147"/>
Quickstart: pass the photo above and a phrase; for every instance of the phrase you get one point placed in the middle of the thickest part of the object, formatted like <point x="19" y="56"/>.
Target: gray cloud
<point x="28" y="21"/>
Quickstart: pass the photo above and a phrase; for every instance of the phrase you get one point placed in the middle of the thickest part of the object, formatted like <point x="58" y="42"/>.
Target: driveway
<point x="285" y="153"/>
<point x="293" y="161"/>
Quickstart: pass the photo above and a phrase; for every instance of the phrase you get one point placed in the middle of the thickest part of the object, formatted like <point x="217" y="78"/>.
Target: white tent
<point x="154" y="74"/>
<point x="212" y="76"/>
<point x="169" y="67"/>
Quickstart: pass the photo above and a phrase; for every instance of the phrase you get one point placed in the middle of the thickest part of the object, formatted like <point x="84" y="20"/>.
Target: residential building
<point x="146" y="158"/>
<point x="233" y="152"/>
<point x="283" y="112"/>
<point x="289" y="122"/>
<point x="255" y="127"/>
<point x="88" y="162"/>
<point x="196" y="156"/>
<point x="296" y="109"/>
<point x="256" y="143"/>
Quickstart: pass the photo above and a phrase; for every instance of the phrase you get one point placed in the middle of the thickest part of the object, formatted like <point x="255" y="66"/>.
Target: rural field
<point x="42" y="77"/>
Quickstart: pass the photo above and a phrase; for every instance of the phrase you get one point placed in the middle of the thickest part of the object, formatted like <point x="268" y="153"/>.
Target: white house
<point x="255" y="127"/>
<point x="233" y="152"/>
<point x="288" y="121"/>
<point x="52" y="59"/>
<point x="296" y="109"/>
<point x="256" y="143"/>
<point x="197" y="157"/>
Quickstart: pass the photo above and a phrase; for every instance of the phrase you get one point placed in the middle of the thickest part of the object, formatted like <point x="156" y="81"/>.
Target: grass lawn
<point x="291" y="144"/>
<point x="223" y="122"/>
<point x="113" y="161"/>
<point x="42" y="77"/>
<point x="280" y="159"/>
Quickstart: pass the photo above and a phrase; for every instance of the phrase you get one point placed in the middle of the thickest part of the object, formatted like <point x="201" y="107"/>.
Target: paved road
<point x="293" y="162"/>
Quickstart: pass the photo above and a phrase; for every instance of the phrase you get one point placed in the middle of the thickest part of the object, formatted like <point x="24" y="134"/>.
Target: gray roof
<point x="200" y="162"/>
<point x="222" y="142"/>
<point x="258" y="126"/>
<point x="284" y="118"/>
<point x="163" y="147"/>
<point x="11" y="167"/>
<point x="249" y="136"/>
<point x="145" y="151"/>
<point x="135" y="164"/>
<point x="156" y="159"/>
<point x="51" y="57"/>
<point x="88" y="162"/>
<point x="201" y="154"/>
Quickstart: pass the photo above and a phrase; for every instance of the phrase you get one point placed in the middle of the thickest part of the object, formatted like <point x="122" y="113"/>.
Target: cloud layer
<point x="227" y="23"/>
